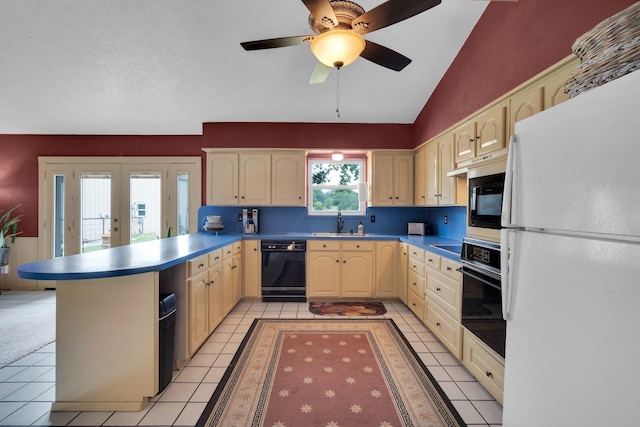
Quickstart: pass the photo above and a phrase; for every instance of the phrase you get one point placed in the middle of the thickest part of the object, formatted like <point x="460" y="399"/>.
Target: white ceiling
<point x="167" y="66"/>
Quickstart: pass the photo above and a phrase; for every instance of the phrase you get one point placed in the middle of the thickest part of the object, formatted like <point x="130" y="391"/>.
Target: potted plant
<point x="8" y="232"/>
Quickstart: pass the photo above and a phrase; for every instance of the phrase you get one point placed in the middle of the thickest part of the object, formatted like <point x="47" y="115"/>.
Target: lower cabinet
<point x="340" y="268"/>
<point x="252" y="269"/>
<point x="387" y="269"/>
<point x="403" y="273"/>
<point x="484" y="364"/>
<point x="213" y="287"/>
<point x="204" y="289"/>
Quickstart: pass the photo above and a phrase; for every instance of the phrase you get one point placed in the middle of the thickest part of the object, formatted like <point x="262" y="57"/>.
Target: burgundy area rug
<point x="347" y="308"/>
<point x="327" y="373"/>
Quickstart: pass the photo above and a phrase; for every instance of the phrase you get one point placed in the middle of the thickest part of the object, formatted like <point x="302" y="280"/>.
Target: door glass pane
<point x="58" y="216"/>
<point x="95" y="211"/>
<point x="183" y="204"/>
<point x="146" y="207"/>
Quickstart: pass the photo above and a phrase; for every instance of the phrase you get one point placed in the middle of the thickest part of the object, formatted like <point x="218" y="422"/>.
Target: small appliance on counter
<point x="250" y="221"/>
<point x="419" y="228"/>
<point x="213" y="223"/>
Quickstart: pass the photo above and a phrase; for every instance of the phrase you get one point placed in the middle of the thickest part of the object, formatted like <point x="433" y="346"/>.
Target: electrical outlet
<point x="239" y="217"/>
<point x="446" y="219"/>
<point x="373" y="218"/>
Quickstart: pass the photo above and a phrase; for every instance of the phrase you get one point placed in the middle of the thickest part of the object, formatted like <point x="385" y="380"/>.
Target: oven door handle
<point x="483" y="280"/>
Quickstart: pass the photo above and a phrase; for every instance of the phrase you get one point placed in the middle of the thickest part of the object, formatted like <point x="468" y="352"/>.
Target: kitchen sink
<point x="330" y="234"/>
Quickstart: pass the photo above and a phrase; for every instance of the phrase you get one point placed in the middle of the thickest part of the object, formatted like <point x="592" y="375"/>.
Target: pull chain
<point x="338" y="93"/>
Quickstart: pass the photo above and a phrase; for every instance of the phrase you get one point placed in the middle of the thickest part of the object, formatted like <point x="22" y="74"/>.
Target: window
<point x="336" y="185"/>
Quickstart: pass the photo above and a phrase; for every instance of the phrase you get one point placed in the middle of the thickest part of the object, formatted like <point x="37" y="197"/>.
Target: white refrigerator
<point x="571" y="262"/>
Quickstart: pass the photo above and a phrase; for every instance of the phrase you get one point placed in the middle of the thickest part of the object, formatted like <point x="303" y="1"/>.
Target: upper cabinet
<point x="436" y="159"/>
<point x="483" y="134"/>
<point x="391" y="175"/>
<point x="288" y="179"/>
<point x="255" y="178"/>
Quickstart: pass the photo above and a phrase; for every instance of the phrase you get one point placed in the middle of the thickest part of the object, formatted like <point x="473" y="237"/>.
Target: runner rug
<point x="347" y="308"/>
<point x="327" y="373"/>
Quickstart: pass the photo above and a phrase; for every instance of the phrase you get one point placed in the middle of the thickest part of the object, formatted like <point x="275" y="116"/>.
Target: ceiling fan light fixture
<point x="337" y="48"/>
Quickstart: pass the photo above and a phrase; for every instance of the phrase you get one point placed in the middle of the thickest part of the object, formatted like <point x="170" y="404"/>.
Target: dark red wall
<point x="19" y="171"/>
<point x="307" y="135"/>
<point x="512" y="42"/>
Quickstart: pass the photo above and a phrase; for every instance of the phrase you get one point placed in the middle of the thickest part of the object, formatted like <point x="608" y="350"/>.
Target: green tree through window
<point x="334" y="186"/>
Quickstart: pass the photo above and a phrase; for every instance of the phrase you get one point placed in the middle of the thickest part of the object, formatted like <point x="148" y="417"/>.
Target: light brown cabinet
<point x="387" y="269"/>
<point x="416" y="281"/>
<point x="483" y="134"/>
<point x="403" y="273"/>
<point x="340" y="268"/>
<point x="252" y="269"/>
<point x="288" y="179"/>
<point x="391" y="178"/>
<point x="484" y="364"/>
<point x="439" y="189"/>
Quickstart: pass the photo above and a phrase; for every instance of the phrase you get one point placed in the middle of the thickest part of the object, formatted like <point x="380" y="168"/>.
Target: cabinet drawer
<point x="416" y="253"/>
<point x="215" y="256"/>
<point x="196" y="265"/>
<point x="357" y="245"/>
<point x="416" y="304"/>
<point x="445" y="328"/>
<point x="432" y="260"/>
<point x="227" y="252"/>
<point x="484" y="365"/>
<point x="416" y="284"/>
<point x="237" y="247"/>
<point x="323" y="245"/>
<point x="449" y="268"/>
<point x="416" y="266"/>
<point x="446" y="293"/>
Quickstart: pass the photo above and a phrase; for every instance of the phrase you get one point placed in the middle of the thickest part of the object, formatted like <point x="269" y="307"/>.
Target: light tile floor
<point x="27" y="386"/>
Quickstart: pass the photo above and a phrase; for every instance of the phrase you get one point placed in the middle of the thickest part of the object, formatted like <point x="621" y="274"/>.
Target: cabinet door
<point x="386" y="268"/>
<point x="432" y="190"/>
<point x="491" y="130"/>
<point x="382" y="180"/>
<point x="403" y="276"/>
<point x="198" y="328"/>
<point x="214" y="296"/>
<point x="465" y="141"/>
<point x="222" y="179"/>
<point x="255" y="179"/>
<point x="420" y="178"/>
<point x="323" y="274"/>
<point x="524" y="105"/>
<point x="446" y="184"/>
<point x="252" y="260"/>
<point x="228" y="291"/>
<point x="403" y="179"/>
<point x="357" y="274"/>
<point x="237" y="277"/>
<point x="288" y="179"/>
<point x="554" y="86"/>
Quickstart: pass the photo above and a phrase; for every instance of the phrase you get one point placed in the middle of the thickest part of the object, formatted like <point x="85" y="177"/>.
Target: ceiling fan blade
<point x="322" y="12"/>
<point x="320" y="73"/>
<point x="273" y="43"/>
<point x="389" y="13"/>
<point x="384" y="56"/>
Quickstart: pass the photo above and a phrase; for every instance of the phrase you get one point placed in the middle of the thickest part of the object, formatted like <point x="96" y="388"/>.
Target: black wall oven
<point x="485" y="200"/>
<point x="481" y="293"/>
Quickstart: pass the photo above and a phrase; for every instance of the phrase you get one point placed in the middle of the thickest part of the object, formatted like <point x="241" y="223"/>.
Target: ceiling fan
<point x="339" y="26"/>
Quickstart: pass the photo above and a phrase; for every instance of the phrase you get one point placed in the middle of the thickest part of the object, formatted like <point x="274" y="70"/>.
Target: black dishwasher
<point x="284" y="270"/>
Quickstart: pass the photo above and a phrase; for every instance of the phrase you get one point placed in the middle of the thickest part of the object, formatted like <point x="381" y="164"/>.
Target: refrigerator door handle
<point x="507" y="238"/>
<point x="508" y="205"/>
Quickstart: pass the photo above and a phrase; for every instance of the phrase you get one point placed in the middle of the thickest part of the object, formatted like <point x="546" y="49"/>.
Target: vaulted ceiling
<point x="167" y="66"/>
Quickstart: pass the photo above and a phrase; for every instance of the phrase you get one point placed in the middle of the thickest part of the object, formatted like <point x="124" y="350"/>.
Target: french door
<point x="90" y="204"/>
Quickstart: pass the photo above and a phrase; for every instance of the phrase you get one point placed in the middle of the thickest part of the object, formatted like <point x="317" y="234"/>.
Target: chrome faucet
<point x="340" y="221"/>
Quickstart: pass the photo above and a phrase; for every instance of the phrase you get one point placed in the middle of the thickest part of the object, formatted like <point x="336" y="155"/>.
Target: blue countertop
<point x="165" y="253"/>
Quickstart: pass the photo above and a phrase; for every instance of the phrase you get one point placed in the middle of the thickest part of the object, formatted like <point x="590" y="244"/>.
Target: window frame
<point x="358" y="187"/>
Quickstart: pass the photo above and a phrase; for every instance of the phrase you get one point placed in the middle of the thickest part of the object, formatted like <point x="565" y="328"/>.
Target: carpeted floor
<point x="27" y="323"/>
<point x="327" y="373"/>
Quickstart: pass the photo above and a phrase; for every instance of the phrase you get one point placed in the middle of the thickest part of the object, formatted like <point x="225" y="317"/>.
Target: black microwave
<point x="485" y="200"/>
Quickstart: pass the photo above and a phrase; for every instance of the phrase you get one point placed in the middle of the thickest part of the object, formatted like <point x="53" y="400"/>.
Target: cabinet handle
<point x="324" y="246"/>
<point x="471" y="139"/>
<point x="217" y="258"/>
<point x="255" y="249"/>
<point x="488" y="374"/>
<point x="397" y="197"/>
<point x="337" y="260"/>
<point x="438" y="289"/>
<point x="357" y="246"/>
<point x="414" y="284"/>
<point x="448" y="268"/>
<point x="200" y="265"/>
<point x="242" y="197"/>
<point x="438" y="324"/>
<point x="344" y="261"/>
<point x="235" y="197"/>
<point x="430" y="260"/>
<point x="299" y="197"/>
<point x="414" y="304"/>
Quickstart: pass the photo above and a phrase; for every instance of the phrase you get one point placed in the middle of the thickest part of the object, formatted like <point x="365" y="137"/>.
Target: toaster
<point x="419" y="228"/>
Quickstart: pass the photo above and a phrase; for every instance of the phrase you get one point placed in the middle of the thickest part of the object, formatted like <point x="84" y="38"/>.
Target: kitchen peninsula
<point x="107" y="306"/>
